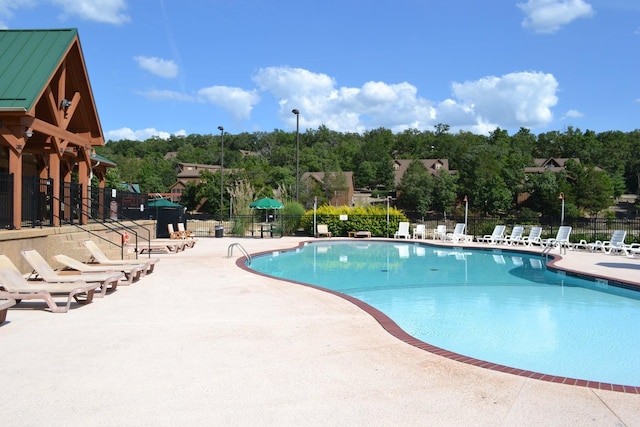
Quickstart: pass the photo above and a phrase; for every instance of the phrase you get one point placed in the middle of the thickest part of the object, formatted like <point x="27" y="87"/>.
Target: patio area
<point x="201" y="341"/>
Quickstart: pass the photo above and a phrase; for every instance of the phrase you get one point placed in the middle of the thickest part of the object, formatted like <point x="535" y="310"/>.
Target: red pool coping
<point x="392" y="327"/>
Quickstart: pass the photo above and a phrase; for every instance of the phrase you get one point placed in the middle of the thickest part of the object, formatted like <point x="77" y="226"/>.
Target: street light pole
<point x="466" y="213"/>
<point x="221" y="129"/>
<point x="297" y="113"/>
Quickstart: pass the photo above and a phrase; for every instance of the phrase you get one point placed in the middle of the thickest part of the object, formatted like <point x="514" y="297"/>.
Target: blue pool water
<point x="497" y="306"/>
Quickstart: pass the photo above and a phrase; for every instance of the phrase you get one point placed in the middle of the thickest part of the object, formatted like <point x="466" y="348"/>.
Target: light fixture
<point x="221" y="129"/>
<point x="65" y="104"/>
<point x="28" y="132"/>
<point x="297" y="113"/>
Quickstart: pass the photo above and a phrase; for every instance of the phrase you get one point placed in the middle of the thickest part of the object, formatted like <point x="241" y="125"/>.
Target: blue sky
<point x="161" y="67"/>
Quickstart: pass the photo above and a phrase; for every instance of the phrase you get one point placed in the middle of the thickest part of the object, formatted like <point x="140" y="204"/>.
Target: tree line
<point x="489" y="168"/>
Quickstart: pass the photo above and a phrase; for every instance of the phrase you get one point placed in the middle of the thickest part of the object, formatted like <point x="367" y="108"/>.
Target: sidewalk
<point x="203" y="342"/>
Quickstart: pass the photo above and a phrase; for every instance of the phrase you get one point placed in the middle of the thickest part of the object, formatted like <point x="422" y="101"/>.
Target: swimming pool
<point x="498" y="306"/>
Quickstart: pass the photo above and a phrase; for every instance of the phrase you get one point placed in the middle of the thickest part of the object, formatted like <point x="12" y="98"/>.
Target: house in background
<point x="552" y="164"/>
<point x="186" y="173"/>
<point x="434" y="166"/>
<point x="341" y="195"/>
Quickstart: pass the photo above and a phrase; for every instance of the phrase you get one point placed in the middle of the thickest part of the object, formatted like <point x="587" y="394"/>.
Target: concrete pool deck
<point x="203" y="342"/>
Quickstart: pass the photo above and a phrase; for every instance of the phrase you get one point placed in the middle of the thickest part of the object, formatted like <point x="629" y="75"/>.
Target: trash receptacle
<point x="219" y="231"/>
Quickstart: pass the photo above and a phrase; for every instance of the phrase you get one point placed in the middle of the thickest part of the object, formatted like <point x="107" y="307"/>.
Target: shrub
<point x="370" y="218"/>
<point x="292" y="211"/>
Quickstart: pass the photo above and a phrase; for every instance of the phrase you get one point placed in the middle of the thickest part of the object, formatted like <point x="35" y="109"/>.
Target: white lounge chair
<point x="561" y="241"/>
<point x="615" y="245"/>
<point x="420" y="231"/>
<point x="495" y="237"/>
<point x="533" y="238"/>
<point x="173" y="234"/>
<point x="515" y="237"/>
<point x="458" y="233"/>
<point x="169" y="246"/>
<point x="42" y="269"/>
<point x="13" y="286"/>
<point x="403" y="231"/>
<point x="440" y="232"/>
<point x="99" y="257"/>
<point x="132" y="272"/>
<point x="184" y="233"/>
<point x="323" y="230"/>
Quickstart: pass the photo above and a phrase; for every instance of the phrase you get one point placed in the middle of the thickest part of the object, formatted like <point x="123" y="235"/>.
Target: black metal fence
<point x="113" y="204"/>
<point x="6" y="200"/>
<point x="38" y="203"/>
<point x="255" y="226"/>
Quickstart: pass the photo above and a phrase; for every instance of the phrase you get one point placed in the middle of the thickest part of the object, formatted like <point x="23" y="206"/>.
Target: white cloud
<point x="161" y="94"/>
<point x="237" y="101"/>
<point x="158" y="66"/>
<point x="548" y="16"/>
<point x="574" y="114"/>
<point x="107" y="11"/>
<point x="510" y="101"/>
<point x="140" y="135"/>
<point x="375" y="104"/>
<point x="521" y="99"/>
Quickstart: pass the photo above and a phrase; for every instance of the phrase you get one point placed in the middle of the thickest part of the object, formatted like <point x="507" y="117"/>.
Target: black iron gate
<point x="37" y="201"/>
<point x="6" y="200"/>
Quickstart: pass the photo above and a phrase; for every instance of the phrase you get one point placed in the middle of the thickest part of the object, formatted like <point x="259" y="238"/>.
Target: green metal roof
<point x="103" y="160"/>
<point x="28" y="59"/>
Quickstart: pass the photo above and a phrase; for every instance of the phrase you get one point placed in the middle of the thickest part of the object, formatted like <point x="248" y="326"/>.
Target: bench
<point x="362" y="234"/>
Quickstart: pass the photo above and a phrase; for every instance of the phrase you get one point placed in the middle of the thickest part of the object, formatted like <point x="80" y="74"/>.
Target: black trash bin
<point x="219" y="231"/>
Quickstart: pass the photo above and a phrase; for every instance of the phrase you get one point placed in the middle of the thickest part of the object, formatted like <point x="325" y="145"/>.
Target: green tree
<point x="416" y="189"/>
<point x="593" y="188"/>
<point x="444" y="192"/>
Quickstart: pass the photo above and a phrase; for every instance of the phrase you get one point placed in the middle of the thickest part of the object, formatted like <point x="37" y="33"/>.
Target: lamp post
<point x="466" y="212"/>
<point x="388" y="199"/>
<point x="221" y="129"/>
<point x="297" y="113"/>
<point x="561" y="197"/>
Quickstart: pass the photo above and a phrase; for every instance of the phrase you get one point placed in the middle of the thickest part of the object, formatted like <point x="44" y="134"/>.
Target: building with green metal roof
<point x="49" y="123"/>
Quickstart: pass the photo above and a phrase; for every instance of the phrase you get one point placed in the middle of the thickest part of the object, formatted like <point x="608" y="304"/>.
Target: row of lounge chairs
<point x="78" y="281"/>
<point x="615" y="245"/>
<point x="178" y="241"/>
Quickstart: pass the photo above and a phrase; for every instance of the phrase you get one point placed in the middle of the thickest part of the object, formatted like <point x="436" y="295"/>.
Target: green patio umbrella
<point x="266" y="204"/>
<point x="163" y="203"/>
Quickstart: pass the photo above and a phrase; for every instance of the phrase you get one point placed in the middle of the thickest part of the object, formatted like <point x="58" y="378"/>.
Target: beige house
<point x="434" y="166"/>
<point x="340" y="197"/>
<point x="189" y="172"/>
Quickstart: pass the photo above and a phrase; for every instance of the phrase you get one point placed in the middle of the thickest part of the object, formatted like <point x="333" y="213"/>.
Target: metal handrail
<point x="238" y="245"/>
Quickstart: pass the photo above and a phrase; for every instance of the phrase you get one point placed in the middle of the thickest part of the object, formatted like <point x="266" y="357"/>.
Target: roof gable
<point x="29" y="59"/>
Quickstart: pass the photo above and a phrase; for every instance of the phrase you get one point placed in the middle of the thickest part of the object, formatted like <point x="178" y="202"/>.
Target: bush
<point x="292" y="211"/>
<point x="370" y="218"/>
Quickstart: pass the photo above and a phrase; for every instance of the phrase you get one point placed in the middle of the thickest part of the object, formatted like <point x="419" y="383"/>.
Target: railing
<point x="38" y="202"/>
<point x="120" y="228"/>
<point x="239" y="246"/>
